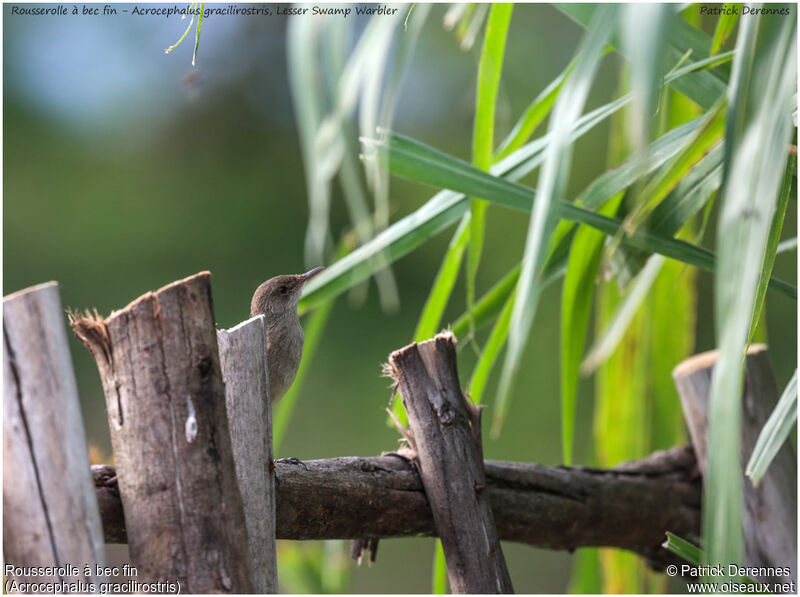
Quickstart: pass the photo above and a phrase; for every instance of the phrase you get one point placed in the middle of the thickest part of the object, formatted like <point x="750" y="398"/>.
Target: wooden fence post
<point x="770" y="510"/>
<point x="159" y="363"/>
<point x="50" y="514"/>
<point x="243" y="357"/>
<point x="445" y="434"/>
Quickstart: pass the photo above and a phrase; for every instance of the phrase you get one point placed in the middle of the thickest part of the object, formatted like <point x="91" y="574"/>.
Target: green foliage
<point x="725" y="24"/>
<point x="633" y="237"/>
<point x="758" y="132"/>
<point x="194" y="11"/>
<point x="576" y="303"/>
<point x="551" y="190"/>
<point x="684" y="549"/>
<point x="775" y="431"/>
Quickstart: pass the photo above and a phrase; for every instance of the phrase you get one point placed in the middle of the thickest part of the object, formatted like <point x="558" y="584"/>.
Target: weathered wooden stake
<point x="159" y="363"/>
<point x="50" y="514"/>
<point x="445" y="433"/>
<point x="770" y="514"/>
<point x="243" y="357"/>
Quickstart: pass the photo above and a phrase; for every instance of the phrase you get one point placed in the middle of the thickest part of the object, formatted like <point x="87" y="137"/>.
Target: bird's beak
<point x="310" y="274"/>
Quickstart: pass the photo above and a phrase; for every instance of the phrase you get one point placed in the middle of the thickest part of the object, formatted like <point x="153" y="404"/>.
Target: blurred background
<point x="126" y="169"/>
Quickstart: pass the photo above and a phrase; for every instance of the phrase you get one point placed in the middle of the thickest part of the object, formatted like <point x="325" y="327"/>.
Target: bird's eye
<point x="283" y="290"/>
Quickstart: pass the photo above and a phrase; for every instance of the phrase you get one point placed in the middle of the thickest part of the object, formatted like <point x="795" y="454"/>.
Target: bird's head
<point x="280" y="294"/>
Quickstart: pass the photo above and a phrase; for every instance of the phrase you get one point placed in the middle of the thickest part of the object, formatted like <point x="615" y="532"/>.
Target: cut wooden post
<point x="770" y="510"/>
<point x="50" y="514"/>
<point x="445" y="432"/>
<point x="159" y="364"/>
<point x="243" y="357"/>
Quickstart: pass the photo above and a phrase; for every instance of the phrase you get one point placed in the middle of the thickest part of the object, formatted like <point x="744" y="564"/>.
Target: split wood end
<point x="705" y="360"/>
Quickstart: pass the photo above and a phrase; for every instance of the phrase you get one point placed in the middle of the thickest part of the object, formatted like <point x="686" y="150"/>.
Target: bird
<point x="277" y="299"/>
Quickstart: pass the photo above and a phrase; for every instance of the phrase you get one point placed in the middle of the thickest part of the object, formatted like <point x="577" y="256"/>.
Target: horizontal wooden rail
<point x="629" y="507"/>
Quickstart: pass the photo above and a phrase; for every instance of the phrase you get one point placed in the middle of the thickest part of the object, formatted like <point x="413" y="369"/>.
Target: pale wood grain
<point x="50" y="512"/>
<point x="243" y="357"/>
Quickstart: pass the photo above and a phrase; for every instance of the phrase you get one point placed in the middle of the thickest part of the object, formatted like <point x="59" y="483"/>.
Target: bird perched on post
<point x="276" y="299"/>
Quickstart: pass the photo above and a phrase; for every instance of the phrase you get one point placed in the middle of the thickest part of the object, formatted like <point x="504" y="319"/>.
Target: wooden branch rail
<point x="770" y="510"/>
<point x="629" y="507"/>
<point x="160" y="368"/>
<point x="50" y="510"/>
<point x="445" y="440"/>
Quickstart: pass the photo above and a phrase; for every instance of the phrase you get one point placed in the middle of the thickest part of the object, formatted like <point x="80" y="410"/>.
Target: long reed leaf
<point x="533" y="116"/>
<point x="759" y="127"/>
<point x="702" y="87"/>
<point x="725" y="24"/>
<point x="431" y="318"/>
<point x="772" y="245"/>
<point x="400" y="155"/>
<point x="490" y="352"/>
<point x="576" y="304"/>
<point x="489" y="70"/>
<point x="775" y="431"/>
<point x="551" y="189"/>
<point x="609" y="338"/>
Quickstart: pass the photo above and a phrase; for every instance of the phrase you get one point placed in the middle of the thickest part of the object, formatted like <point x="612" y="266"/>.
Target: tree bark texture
<point x="770" y="510"/>
<point x="50" y="512"/>
<point x="159" y="365"/>
<point x="446" y="441"/>
<point x="630" y="507"/>
<point x="243" y="357"/>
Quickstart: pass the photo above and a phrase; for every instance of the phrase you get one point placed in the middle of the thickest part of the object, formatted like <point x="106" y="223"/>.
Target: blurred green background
<point x="126" y="169"/>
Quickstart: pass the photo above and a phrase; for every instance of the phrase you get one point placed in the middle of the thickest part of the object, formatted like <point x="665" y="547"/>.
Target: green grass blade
<point x="480" y="375"/>
<point x="551" y="188"/>
<point x="644" y="32"/>
<point x="431" y="318"/>
<point x="692" y="193"/>
<point x="439" y="580"/>
<point x="197" y="33"/>
<point x="725" y="24"/>
<point x="610" y="338"/>
<point x="775" y="431"/>
<point x="701" y="143"/>
<point x="533" y="116"/>
<point x="448" y="172"/>
<point x="762" y="96"/>
<point x="690" y="196"/>
<point x="683" y="549"/>
<point x="702" y="87"/>
<point x="790" y="244"/>
<point x="489" y="305"/>
<point x="772" y="245"/>
<point x="576" y="304"/>
<point x="308" y="97"/>
<point x="489" y="70"/>
<point x="336" y="38"/>
<point x="186" y="32"/>
<point x="405" y="235"/>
